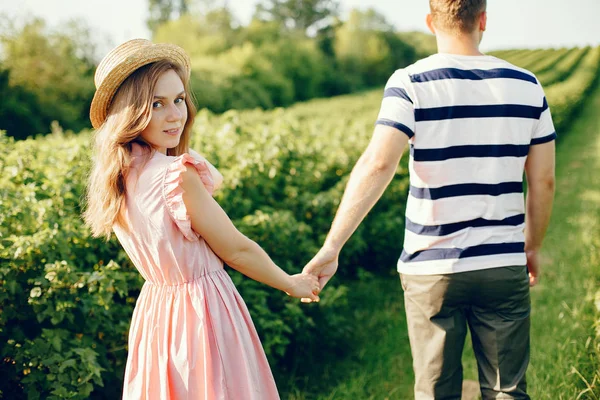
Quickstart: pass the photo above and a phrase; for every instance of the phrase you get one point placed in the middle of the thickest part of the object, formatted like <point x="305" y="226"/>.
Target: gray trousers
<point x="494" y="304"/>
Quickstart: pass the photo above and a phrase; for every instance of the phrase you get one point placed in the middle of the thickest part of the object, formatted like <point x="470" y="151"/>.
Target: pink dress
<point x="191" y="335"/>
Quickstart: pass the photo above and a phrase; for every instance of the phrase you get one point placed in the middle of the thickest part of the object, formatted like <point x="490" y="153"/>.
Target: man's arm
<point x="539" y="169"/>
<point x="369" y="178"/>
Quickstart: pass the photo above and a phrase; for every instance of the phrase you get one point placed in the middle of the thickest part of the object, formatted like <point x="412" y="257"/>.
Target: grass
<point x="565" y="354"/>
<point x="378" y="364"/>
<point x="565" y="361"/>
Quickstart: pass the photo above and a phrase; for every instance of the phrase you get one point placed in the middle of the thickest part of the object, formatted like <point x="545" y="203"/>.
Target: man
<point x="474" y="124"/>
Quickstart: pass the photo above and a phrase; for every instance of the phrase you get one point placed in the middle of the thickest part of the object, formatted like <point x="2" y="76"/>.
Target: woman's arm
<point x="212" y="223"/>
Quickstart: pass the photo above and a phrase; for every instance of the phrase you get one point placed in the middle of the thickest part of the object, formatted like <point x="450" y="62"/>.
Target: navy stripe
<point x="401" y="127"/>
<point x="480" y="111"/>
<point x="466" y="189"/>
<point x="447" y="229"/>
<point x="396" y="92"/>
<point x="455" y="253"/>
<point x="544" y="105"/>
<point x="544" y="139"/>
<point x="471" y="74"/>
<point x="487" y="150"/>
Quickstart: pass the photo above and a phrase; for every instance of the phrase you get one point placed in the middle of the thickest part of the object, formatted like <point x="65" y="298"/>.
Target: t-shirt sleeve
<point x="397" y="108"/>
<point x="543" y="128"/>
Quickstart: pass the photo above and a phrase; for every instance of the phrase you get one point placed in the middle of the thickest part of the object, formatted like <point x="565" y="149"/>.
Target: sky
<point x="511" y="23"/>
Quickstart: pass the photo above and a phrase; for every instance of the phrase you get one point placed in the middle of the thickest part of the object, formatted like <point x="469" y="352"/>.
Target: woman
<point x="191" y="336"/>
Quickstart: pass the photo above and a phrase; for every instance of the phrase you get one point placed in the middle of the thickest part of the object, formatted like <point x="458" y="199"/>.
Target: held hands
<point x="304" y="286"/>
<point x="323" y="266"/>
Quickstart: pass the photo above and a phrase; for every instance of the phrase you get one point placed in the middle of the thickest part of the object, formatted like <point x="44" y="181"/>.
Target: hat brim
<point x="144" y="56"/>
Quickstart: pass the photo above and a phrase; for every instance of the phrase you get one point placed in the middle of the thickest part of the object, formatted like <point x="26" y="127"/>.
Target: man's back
<point x="471" y="121"/>
<point x="474" y="123"/>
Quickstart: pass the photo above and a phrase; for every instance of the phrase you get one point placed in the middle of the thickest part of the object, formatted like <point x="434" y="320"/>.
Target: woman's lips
<point x="173" y="132"/>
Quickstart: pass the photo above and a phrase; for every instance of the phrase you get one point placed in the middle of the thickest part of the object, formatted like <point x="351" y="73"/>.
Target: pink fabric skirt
<point x="195" y="340"/>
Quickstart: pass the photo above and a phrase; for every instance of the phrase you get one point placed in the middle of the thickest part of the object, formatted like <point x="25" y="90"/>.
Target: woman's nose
<point x="174" y="113"/>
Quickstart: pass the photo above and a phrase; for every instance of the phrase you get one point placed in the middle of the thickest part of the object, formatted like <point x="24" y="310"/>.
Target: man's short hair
<point x="456" y="15"/>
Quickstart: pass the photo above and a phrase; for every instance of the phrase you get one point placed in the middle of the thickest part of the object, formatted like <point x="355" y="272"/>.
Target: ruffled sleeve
<point x="216" y="175"/>
<point x="173" y="193"/>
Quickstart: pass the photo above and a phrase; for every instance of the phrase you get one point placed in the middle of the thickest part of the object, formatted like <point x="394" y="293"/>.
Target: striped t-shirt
<point x="470" y="121"/>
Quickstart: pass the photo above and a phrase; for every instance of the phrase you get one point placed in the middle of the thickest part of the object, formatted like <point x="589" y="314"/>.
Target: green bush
<point x="67" y="299"/>
<point x="65" y="304"/>
<point x="565" y="97"/>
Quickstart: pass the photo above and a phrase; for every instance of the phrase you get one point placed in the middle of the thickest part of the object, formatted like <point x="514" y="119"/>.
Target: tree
<point x="54" y="67"/>
<point x="368" y="49"/>
<point x="298" y="14"/>
<point x="200" y="34"/>
<point x="19" y="110"/>
<point x="162" y="11"/>
<point x="259" y="32"/>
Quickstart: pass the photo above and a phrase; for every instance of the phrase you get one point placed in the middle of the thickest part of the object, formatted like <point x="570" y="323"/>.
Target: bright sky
<point x="511" y="23"/>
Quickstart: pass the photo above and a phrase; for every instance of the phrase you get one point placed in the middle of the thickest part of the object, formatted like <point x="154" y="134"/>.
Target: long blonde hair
<point x="128" y="115"/>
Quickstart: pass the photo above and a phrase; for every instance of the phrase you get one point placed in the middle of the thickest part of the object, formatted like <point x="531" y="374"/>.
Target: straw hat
<point x="121" y="62"/>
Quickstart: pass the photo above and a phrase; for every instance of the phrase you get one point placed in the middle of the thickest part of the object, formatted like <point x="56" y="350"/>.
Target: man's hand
<point x="323" y="266"/>
<point x="533" y="265"/>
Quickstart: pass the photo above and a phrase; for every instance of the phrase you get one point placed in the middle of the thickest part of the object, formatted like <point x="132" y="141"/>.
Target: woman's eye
<point x="179" y="100"/>
<point x="156" y="104"/>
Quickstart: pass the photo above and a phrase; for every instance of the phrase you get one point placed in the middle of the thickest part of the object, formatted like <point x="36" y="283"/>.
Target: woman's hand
<point x="304" y="286"/>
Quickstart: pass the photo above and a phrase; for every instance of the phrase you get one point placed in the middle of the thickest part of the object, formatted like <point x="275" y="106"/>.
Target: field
<point x="66" y="299"/>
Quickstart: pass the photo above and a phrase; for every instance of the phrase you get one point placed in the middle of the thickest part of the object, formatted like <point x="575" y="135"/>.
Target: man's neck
<point x="463" y="45"/>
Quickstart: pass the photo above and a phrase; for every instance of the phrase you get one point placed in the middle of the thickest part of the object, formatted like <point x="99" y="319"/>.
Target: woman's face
<point x="169" y="113"/>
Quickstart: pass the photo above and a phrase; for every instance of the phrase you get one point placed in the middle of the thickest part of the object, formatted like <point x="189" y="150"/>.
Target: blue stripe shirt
<point x="470" y="122"/>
